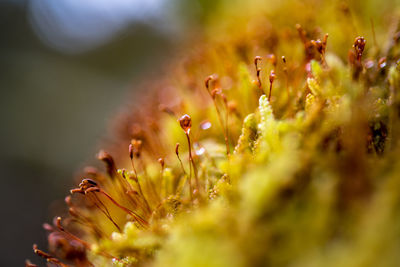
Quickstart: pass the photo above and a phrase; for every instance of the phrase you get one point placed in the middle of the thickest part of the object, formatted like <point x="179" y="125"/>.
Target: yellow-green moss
<point x="311" y="176"/>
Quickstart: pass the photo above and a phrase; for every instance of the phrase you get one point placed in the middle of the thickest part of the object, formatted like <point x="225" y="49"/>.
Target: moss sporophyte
<point x="237" y="158"/>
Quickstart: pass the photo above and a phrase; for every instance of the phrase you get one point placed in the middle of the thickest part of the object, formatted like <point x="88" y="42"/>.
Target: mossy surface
<point x="296" y="166"/>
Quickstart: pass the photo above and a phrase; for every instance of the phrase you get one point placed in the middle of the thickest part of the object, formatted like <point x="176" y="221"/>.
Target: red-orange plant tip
<point x="207" y="81"/>
<point x="256" y="59"/>
<point x="162" y="162"/>
<point x="67" y="200"/>
<point x="272" y="59"/>
<point x="47" y="256"/>
<point x="136" y="148"/>
<point x="258" y="71"/>
<point x="359" y="45"/>
<point x="58" y="223"/>
<point x="90" y="170"/>
<point x="87" y="183"/>
<point x="48" y="227"/>
<point x="186" y="123"/>
<point x="131" y="151"/>
<point x="109" y="162"/>
<point x="28" y="263"/>
<point x="272" y="77"/>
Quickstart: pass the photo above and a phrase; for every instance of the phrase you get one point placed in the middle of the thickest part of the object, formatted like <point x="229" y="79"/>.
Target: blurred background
<point x="66" y="67"/>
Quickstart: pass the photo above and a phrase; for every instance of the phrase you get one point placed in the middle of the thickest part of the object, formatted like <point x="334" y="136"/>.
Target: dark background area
<point x="55" y="107"/>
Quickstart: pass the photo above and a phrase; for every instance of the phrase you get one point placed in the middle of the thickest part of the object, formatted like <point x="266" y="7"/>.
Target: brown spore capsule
<point x="109" y="162"/>
<point x="258" y="70"/>
<point x="162" y="162"/>
<point x="272" y="77"/>
<point x="359" y="45"/>
<point x="186" y="123"/>
<point x="135" y="148"/>
<point x="272" y="59"/>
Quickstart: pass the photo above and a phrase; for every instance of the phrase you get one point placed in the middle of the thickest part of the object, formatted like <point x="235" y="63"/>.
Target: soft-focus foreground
<point x="267" y="143"/>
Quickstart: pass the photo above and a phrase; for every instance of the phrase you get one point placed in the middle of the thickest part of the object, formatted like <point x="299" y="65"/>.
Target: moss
<point x="305" y="177"/>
